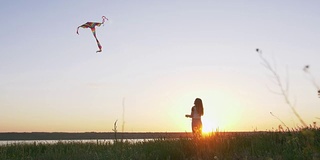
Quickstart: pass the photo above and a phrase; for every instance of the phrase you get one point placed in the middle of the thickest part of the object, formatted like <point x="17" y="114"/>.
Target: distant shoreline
<point x="90" y="135"/>
<point x="8" y="136"/>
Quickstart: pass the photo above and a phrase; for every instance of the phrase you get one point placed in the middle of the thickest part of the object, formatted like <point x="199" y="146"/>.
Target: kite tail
<point x="99" y="45"/>
<point x="103" y="19"/>
<point x="78" y="30"/>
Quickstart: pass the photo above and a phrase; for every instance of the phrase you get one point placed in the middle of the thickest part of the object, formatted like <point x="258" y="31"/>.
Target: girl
<point x="196" y="113"/>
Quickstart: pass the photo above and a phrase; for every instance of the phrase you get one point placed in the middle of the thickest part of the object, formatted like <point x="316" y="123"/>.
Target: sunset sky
<point x="158" y="56"/>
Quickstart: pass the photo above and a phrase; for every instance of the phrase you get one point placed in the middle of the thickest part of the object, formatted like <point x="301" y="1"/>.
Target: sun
<point x="208" y="126"/>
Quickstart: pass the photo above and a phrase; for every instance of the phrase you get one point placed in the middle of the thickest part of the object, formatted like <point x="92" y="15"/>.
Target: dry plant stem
<point x="279" y="120"/>
<point x="283" y="90"/>
<point x="123" y="109"/>
<point x="115" y="130"/>
<point x="312" y="79"/>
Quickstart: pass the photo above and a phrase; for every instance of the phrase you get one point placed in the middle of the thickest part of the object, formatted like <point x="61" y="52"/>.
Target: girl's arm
<point x="190" y="115"/>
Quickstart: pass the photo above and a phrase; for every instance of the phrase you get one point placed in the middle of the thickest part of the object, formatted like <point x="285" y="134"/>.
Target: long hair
<point x="199" y="105"/>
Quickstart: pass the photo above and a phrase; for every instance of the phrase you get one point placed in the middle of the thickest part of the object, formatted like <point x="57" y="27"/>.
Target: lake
<point x="98" y="141"/>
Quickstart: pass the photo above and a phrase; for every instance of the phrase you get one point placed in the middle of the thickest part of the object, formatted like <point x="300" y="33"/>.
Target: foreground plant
<point x="302" y="144"/>
<point x="283" y="87"/>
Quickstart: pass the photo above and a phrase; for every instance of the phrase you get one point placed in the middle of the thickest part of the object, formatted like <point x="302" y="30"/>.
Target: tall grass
<point x="302" y="144"/>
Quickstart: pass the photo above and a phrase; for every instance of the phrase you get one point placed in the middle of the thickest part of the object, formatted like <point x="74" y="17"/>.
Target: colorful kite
<point x="92" y="26"/>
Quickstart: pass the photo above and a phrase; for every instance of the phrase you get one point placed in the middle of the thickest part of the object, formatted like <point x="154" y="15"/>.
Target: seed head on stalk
<point x="283" y="87"/>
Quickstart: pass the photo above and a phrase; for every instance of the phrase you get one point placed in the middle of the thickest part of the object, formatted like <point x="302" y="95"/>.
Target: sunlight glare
<point x="208" y="126"/>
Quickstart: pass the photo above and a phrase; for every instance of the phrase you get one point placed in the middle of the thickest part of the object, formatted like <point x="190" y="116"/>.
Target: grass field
<point x="302" y="144"/>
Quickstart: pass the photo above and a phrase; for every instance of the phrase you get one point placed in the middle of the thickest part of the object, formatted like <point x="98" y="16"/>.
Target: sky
<point x="158" y="56"/>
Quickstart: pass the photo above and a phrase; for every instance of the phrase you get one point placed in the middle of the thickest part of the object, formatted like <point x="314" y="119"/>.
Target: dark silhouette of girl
<point x="196" y="113"/>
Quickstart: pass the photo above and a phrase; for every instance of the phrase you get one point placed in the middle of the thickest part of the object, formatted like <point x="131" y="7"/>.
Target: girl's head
<point x="199" y="105"/>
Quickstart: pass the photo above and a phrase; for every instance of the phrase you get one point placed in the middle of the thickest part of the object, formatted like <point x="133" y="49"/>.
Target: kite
<point x="92" y="26"/>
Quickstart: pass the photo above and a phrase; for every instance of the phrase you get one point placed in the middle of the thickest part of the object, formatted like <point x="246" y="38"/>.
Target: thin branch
<point x="279" y="120"/>
<point x="123" y="109"/>
<point x="312" y="79"/>
<point x="272" y="91"/>
<point x="287" y="79"/>
<point x="283" y="90"/>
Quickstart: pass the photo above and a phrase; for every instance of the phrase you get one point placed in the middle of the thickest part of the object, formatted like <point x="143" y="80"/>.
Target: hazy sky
<point x="158" y="56"/>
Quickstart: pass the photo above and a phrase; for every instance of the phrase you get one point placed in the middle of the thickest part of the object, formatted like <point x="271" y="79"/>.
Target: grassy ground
<point x="304" y="144"/>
